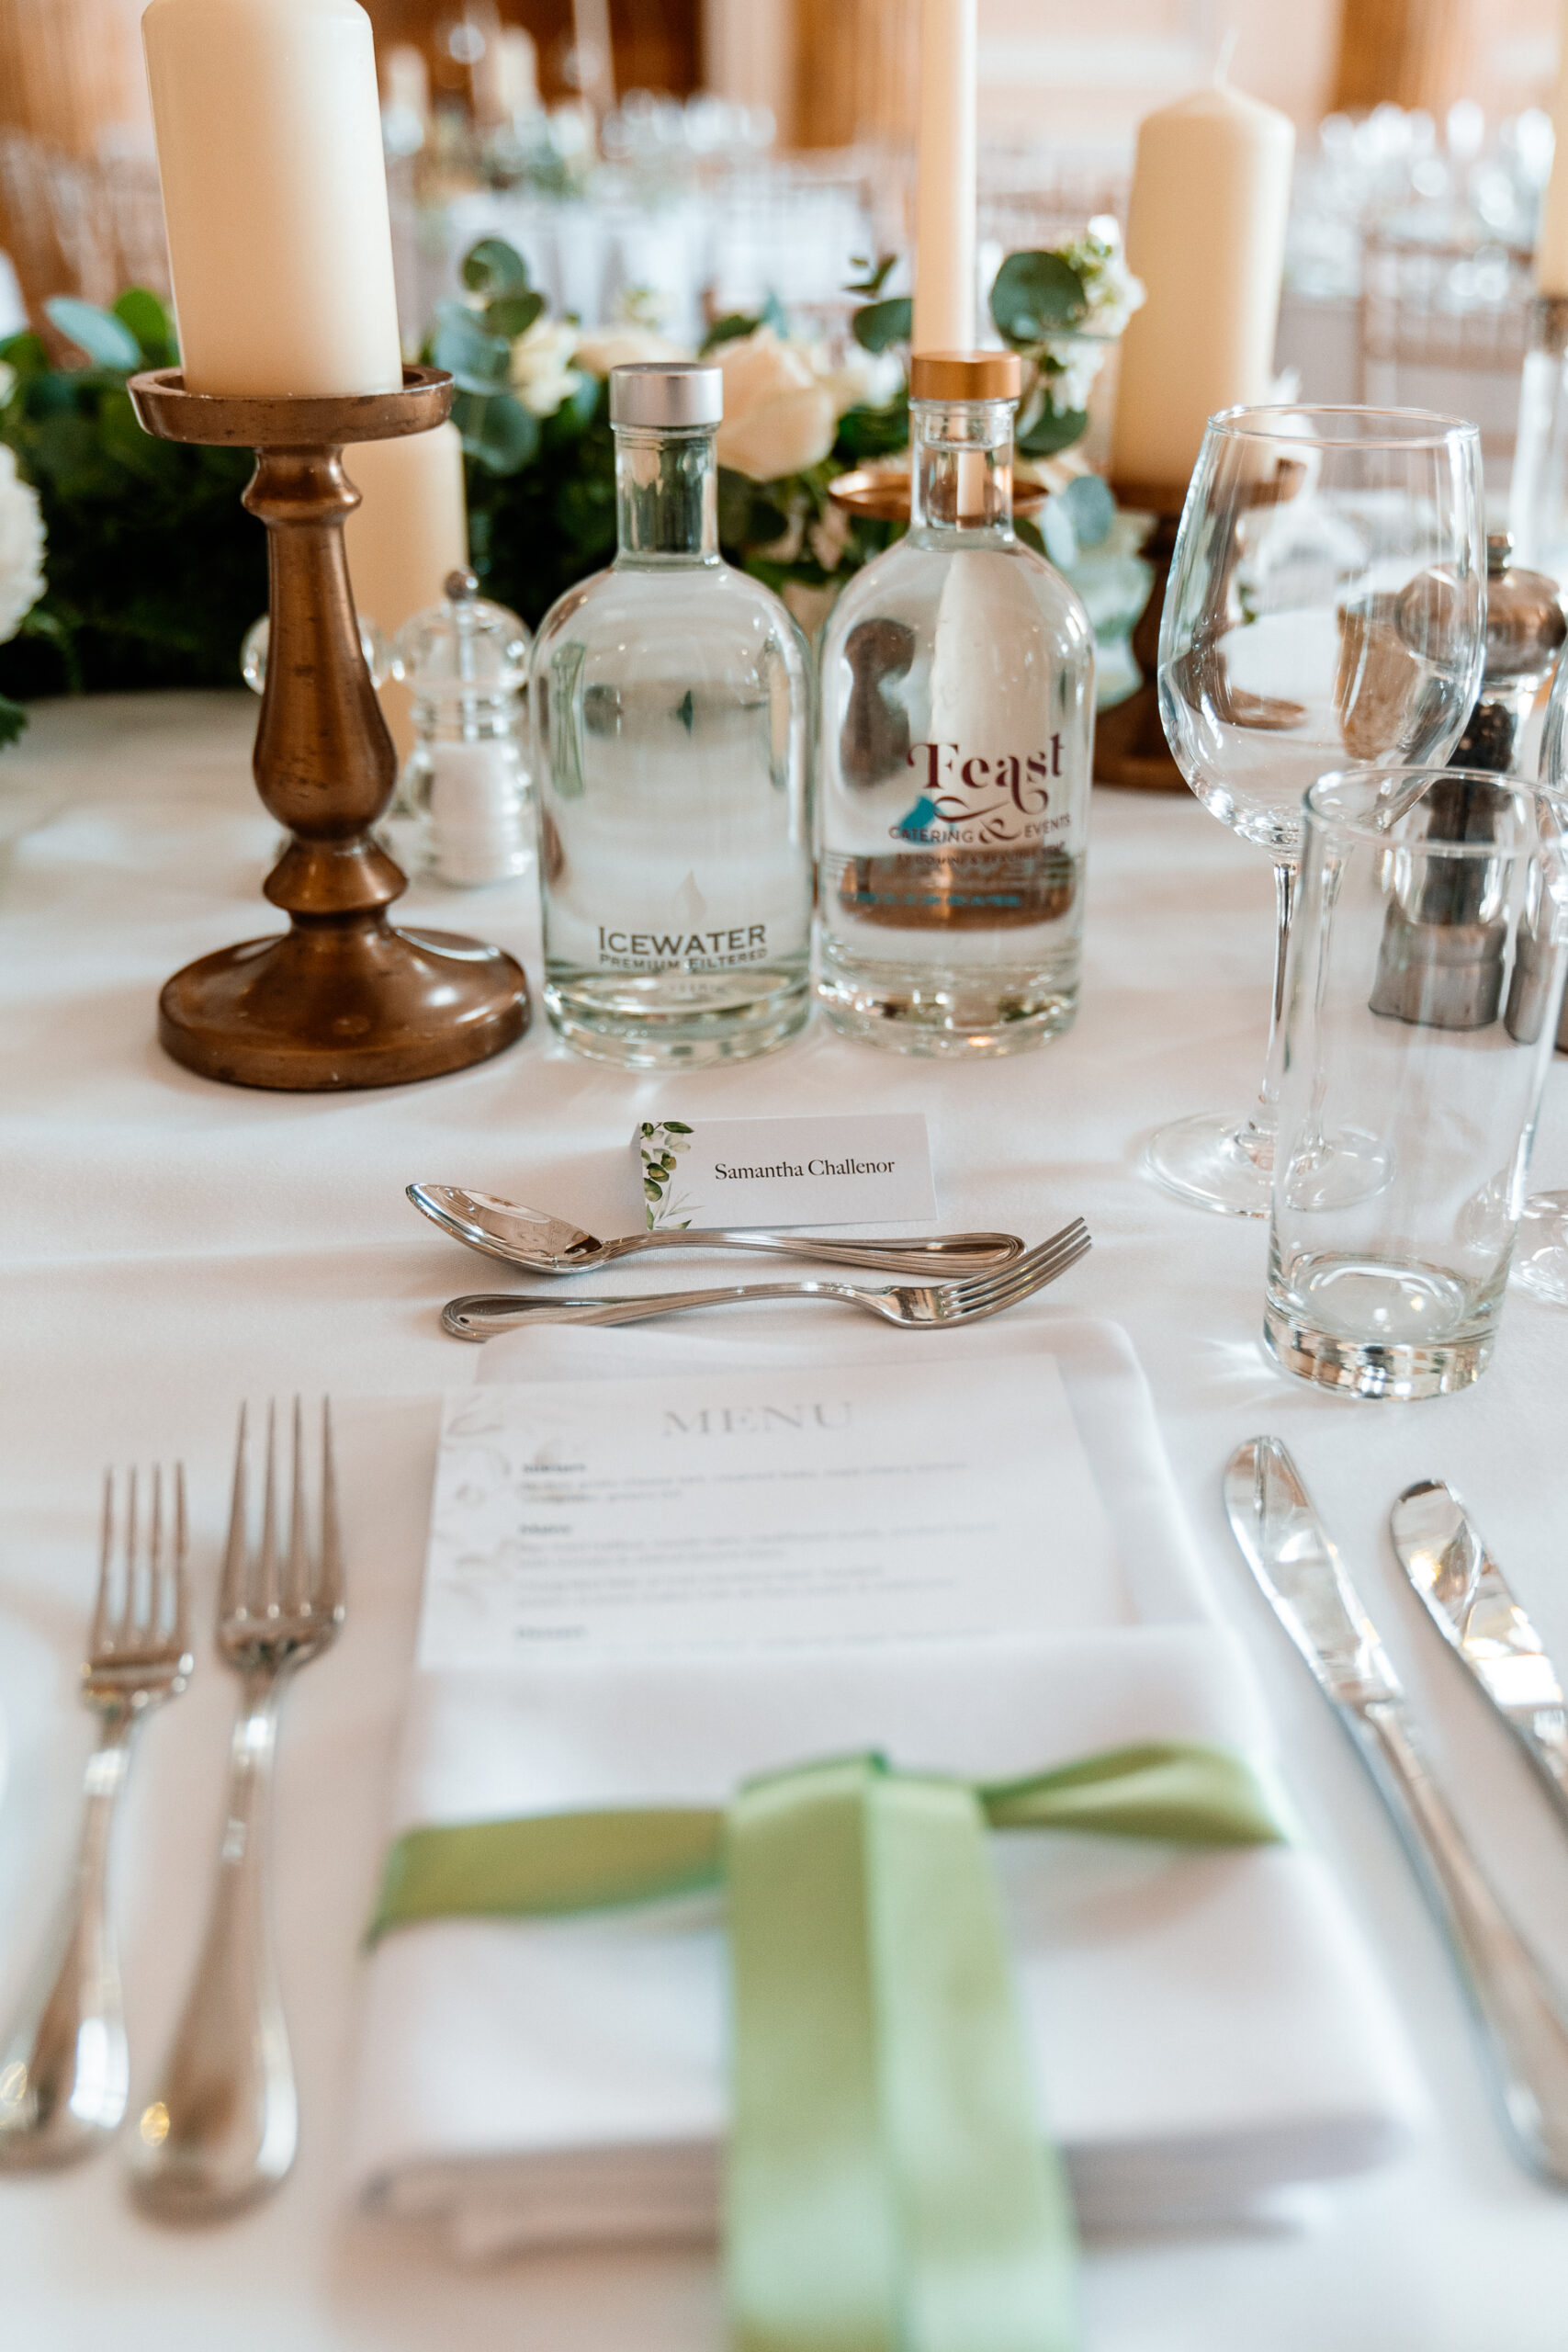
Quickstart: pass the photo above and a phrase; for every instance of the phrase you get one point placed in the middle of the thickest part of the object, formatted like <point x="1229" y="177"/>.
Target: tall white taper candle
<point x="1206" y="233"/>
<point x="274" y="193"/>
<point x="410" y="530"/>
<point x="945" y="188"/>
<point x="1551" y="246"/>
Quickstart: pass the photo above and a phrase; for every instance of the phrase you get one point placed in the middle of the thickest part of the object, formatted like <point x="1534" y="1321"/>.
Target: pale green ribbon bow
<point x="890" y="2186"/>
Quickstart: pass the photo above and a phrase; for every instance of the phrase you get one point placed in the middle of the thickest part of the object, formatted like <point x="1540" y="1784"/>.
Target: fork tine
<point x="1013" y="1294"/>
<point x="149" y="1612"/>
<point x="297" y="1577"/>
<point x="231" y="1592"/>
<point x="1026" y="1274"/>
<point x="98" y="1640"/>
<point x="329" y="1564"/>
<point x="127" y="1614"/>
<point x="182" y="1590"/>
<point x="263" y="1594"/>
<point x="976" y="1288"/>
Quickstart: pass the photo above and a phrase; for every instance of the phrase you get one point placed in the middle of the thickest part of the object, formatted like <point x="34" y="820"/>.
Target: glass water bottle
<point x="671" y="715"/>
<point x="956" y="739"/>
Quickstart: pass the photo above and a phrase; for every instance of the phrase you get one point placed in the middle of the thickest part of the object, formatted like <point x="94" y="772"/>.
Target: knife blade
<point x="1469" y="1599"/>
<point x="1522" y="2030"/>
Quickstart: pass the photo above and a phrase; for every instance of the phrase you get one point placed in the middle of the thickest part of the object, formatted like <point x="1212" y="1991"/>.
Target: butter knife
<point x="1523" y="2032"/>
<point x="1445" y="1556"/>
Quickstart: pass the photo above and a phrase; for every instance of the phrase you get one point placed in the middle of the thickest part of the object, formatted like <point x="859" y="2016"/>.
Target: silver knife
<point x="1522" y="2030"/>
<point x="1445" y="1556"/>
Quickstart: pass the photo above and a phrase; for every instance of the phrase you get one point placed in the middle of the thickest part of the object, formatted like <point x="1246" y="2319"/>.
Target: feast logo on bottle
<point x="984" y="800"/>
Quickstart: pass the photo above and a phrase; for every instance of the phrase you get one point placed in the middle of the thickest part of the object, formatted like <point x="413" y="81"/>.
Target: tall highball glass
<point x="1327" y="601"/>
<point x="1420" y="1012"/>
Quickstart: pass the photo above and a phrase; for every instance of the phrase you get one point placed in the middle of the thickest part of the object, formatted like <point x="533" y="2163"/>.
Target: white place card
<point x="835" y="1169"/>
<point x="833" y="1506"/>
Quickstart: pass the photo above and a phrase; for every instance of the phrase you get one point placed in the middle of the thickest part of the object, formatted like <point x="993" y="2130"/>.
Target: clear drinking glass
<point x="1326" y="600"/>
<point x="1420" y="1007"/>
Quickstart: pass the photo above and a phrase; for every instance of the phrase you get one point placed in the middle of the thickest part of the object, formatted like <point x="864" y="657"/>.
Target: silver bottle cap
<point x="663" y="394"/>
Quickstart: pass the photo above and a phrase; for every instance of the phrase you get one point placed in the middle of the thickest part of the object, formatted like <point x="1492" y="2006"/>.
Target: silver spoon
<point x="548" y="1245"/>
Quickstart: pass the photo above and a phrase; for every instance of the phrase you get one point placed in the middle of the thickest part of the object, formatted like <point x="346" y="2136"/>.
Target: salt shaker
<point x="464" y="795"/>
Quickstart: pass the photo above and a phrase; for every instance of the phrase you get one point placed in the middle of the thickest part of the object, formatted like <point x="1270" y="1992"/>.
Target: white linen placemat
<point x="1208" y="2030"/>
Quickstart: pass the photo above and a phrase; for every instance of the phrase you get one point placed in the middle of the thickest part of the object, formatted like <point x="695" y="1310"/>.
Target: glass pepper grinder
<point x="462" y="815"/>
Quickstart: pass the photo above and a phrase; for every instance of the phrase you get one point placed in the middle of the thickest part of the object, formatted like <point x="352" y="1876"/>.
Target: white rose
<point x="541" y="375"/>
<point x="623" y="346"/>
<point x="21" y="546"/>
<point x="777" y="418"/>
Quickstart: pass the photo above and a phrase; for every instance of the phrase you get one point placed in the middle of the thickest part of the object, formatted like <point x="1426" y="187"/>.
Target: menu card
<point x="833" y="1504"/>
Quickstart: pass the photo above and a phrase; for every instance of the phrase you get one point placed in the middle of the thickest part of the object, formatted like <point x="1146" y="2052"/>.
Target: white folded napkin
<point x="1207" y="2029"/>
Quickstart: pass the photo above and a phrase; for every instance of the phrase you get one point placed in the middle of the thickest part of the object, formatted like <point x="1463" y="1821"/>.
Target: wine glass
<point x="1540" y="1249"/>
<point x="1326" y="605"/>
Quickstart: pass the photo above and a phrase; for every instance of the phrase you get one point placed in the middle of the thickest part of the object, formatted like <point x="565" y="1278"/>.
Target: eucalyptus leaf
<point x="1051" y="432"/>
<point x="512" y="314"/>
<point x="494" y="268"/>
<point x="1056" y="531"/>
<point x="879" y="324"/>
<point x="774" y="315"/>
<point x="877" y="274"/>
<point x="1036" y="295"/>
<point x="481" y="362"/>
<point x="498" y="432"/>
<point x="12" y="719"/>
<point x="1093" y="510"/>
<point x="729" y="329"/>
<point x="108" y="341"/>
<point x="139" y="309"/>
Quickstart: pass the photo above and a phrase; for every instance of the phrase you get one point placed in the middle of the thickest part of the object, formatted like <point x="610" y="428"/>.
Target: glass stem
<point x="1258" y="1138"/>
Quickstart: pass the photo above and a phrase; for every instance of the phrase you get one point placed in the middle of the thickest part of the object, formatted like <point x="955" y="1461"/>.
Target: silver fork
<point x="481" y="1316"/>
<point x="64" y="2067"/>
<point x="222" y="2130"/>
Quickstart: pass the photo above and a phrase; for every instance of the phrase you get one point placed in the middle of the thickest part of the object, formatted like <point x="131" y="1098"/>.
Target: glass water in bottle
<point x="672" y="714"/>
<point x="957" y="728"/>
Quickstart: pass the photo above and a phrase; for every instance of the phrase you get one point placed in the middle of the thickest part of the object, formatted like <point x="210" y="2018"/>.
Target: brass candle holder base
<point x="1130" y="746"/>
<point x="341" y="999"/>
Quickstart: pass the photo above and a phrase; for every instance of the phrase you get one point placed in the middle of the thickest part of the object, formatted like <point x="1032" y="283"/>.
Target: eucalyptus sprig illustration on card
<point x="659" y="1146"/>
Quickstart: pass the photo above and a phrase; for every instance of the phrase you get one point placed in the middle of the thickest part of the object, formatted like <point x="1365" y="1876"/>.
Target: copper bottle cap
<point x="966" y="376"/>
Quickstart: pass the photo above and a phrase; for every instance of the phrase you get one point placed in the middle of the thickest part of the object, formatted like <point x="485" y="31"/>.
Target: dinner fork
<point x="222" y="2130"/>
<point x="64" y="2067"/>
<point x="481" y="1316"/>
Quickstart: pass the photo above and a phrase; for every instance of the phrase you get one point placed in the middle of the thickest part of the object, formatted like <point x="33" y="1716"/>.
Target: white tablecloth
<point x="171" y="1246"/>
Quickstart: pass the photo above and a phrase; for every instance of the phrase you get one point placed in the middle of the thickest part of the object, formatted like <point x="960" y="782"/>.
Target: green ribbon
<point x="890" y="2186"/>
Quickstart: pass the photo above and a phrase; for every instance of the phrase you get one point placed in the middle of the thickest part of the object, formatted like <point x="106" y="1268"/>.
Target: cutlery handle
<point x="63" y="2065"/>
<point x="936" y="1255"/>
<point x="481" y="1316"/>
<point x="1524" y="2030"/>
<point x="221" y="2130"/>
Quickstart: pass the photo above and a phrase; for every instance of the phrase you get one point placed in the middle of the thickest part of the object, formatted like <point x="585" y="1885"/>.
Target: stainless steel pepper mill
<point x="1442" y="964"/>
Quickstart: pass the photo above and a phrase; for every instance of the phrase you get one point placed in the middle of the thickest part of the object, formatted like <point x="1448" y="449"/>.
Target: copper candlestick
<point x="1130" y="744"/>
<point x="340" y="999"/>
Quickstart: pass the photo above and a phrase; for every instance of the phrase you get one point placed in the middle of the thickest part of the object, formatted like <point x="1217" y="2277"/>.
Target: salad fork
<point x="221" y="2132"/>
<point x="64" y="2064"/>
<point x="925" y="1304"/>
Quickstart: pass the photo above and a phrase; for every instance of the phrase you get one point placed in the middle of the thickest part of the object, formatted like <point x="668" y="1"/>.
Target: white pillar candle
<point x="1552" y="246"/>
<point x="275" y="195"/>
<point x="944" y="187"/>
<point x="409" y="529"/>
<point x="1206" y="234"/>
